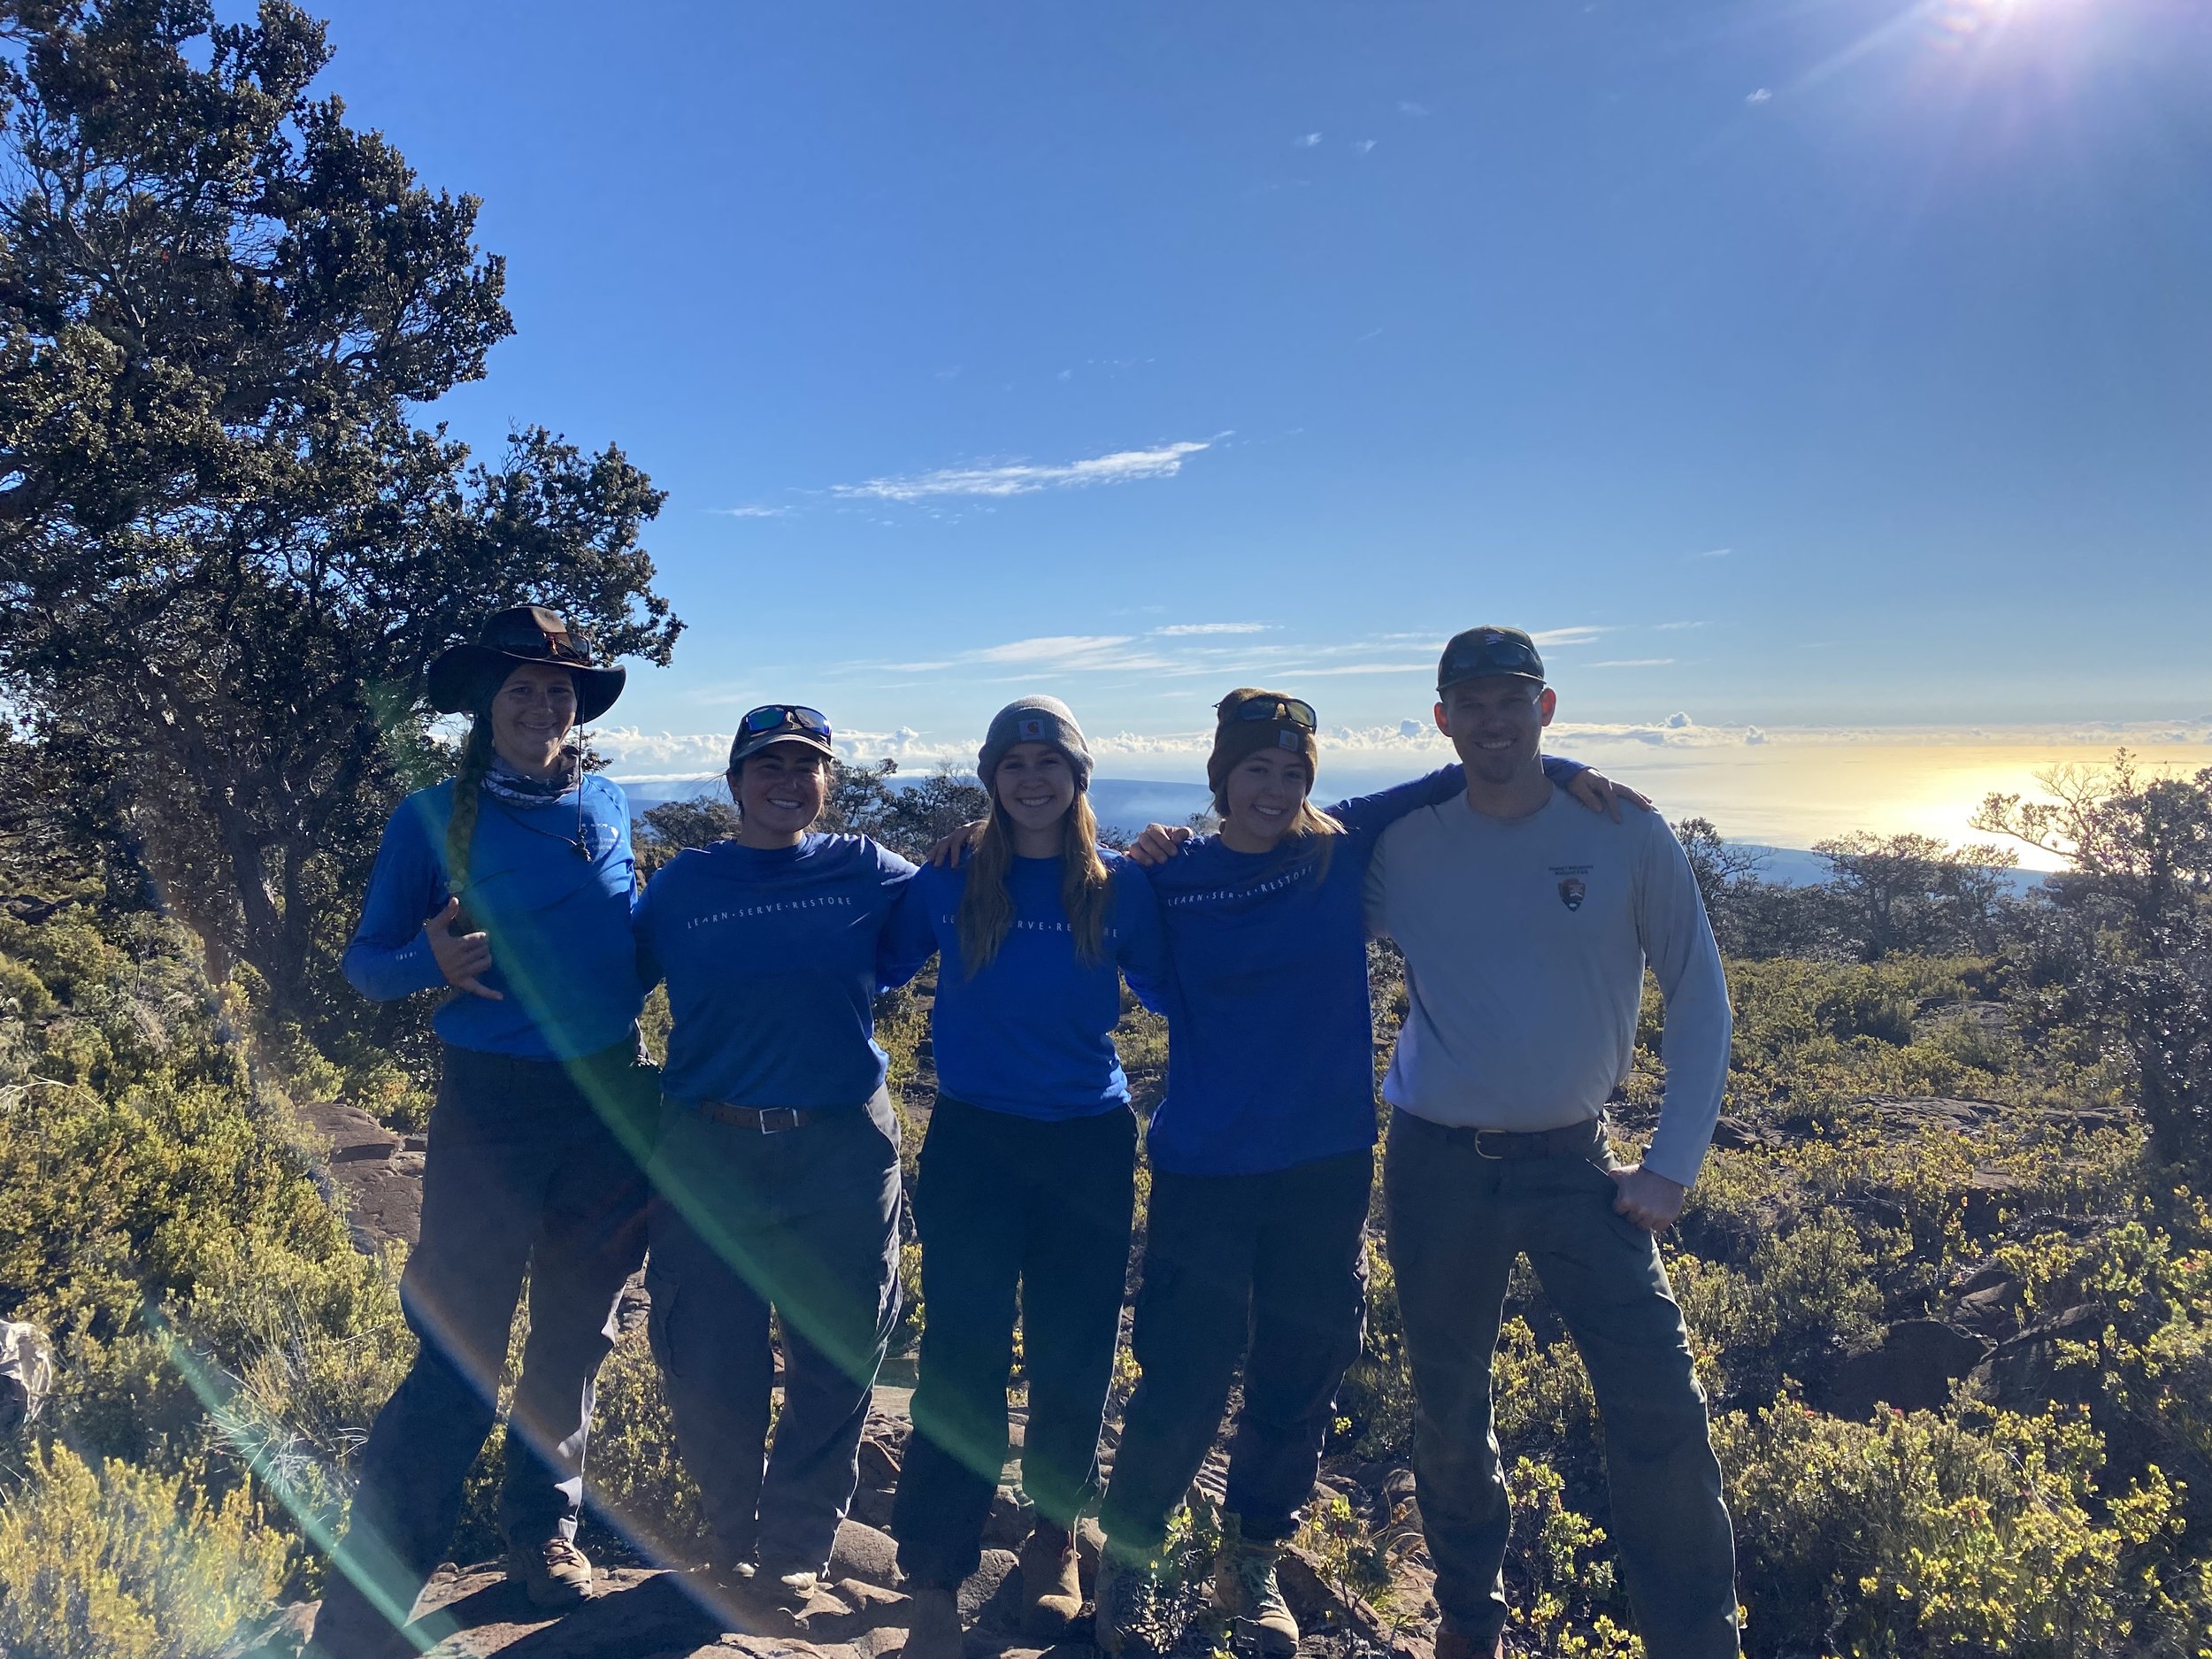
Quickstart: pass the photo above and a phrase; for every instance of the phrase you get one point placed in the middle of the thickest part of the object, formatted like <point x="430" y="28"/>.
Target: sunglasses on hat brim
<point x="785" y="717"/>
<point x="1291" y="710"/>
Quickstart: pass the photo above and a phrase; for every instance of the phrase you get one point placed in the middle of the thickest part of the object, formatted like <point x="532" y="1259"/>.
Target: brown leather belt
<point x="769" y="1120"/>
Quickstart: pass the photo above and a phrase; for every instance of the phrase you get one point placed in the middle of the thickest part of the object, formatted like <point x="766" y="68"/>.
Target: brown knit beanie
<point x="1236" y="740"/>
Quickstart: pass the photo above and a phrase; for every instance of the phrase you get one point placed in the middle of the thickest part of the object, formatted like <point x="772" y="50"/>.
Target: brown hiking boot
<point x="1052" y="1595"/>
<point x="1246" y="1590"/>
<point x="553" y="1575"/>
<point x="932" y="1630"/>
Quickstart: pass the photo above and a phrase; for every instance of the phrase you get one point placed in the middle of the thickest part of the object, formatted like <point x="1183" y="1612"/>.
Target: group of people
<point x="760" y="1160"/>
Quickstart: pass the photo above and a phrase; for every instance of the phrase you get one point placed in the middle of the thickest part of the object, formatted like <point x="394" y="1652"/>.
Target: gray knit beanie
<point x="1035" y="720"/>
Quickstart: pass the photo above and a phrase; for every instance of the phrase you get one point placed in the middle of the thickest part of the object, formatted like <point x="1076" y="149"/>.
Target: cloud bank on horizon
<point x="639" y="757"/>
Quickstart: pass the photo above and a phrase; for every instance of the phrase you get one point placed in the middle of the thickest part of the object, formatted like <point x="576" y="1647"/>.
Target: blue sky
<point x="1837" y="365"/>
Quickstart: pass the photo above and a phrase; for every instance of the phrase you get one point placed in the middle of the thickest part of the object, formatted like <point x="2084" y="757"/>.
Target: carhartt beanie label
<point x="1038" y="719"/>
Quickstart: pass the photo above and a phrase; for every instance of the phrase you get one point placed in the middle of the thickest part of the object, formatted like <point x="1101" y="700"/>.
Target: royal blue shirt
<point x="773" y="958"/>
<point x="1033" y="1033"/>
<point x="1271" y="1045"/>
<point x="550" y="887"/>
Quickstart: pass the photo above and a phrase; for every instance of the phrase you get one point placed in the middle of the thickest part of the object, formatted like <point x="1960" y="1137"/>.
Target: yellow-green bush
<point x="636" y="1475"/>
<point x="1923" y="1535"/>
<point x="127" y="1563"/>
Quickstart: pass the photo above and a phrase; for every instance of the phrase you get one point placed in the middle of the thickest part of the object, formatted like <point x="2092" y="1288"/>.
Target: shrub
<point x="1920" y="1534"/>
<point x="126" y="1563"/>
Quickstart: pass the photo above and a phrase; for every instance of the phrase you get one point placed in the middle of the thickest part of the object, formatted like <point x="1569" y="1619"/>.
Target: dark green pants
<point x="1455" y="1221"/>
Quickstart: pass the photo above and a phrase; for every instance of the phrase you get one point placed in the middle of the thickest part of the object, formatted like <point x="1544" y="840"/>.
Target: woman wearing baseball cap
<point x="776" y="1181"/>
<point x="1027" y="1174"/>
<point x="509" y="888"/>
<point x="1262" y="1157"/>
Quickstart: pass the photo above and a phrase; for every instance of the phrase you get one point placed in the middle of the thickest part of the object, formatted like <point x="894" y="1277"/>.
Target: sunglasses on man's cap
<point x="1291" y="710"/>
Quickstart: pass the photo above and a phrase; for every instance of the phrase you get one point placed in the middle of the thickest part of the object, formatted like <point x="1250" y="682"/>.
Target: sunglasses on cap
<point x="1291" y="710"/>
<point x="785" y="717"/>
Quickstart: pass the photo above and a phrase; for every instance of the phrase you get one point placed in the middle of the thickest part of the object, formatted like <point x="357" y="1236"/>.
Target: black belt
<point x="1576" y="1140"/>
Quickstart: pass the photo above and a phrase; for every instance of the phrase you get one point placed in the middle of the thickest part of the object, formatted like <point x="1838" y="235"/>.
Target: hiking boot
<point x="1052" y="1595"/>
<point x="555" y="1574"/>
<point x="933" y="1631"/>
<point x="1245" y="1589"/>
<point x="1451" y="1645"/>
<point x="1137" y="1612"/>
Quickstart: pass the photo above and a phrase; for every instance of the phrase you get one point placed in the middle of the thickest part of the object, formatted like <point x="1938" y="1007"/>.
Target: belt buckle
<point x="790" y="1115"/>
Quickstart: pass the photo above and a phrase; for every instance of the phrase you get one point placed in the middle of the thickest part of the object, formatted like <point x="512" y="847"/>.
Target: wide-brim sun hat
<point x="463" y="677"/>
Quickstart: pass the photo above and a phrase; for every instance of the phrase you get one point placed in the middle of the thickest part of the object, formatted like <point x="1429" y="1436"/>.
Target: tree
<point x="2137" y="953"/>
<point x="908" y="821"/>
<point x="226" y="553"/>
<point x="1907" y="893"/>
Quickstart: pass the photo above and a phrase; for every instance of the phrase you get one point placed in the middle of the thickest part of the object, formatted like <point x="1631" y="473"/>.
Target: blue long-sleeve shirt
<point x="1271" y="1045"/>
<point x="1031" y="1035"/>
<point x="552" y="890"/>
<point x="772" y="958"/>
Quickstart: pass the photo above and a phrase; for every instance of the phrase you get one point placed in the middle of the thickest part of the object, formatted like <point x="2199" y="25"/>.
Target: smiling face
<point x="1496" y="724"/>
<point x="779" y="791"/>
<point x="1035" y="787"/>
<point x="533" y="713"/>
<point x="1261" y="795"/>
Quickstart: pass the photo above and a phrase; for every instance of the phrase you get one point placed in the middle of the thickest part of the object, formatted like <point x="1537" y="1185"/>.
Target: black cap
<point x="774" y="723"/>
<point x="1480" y="652"/>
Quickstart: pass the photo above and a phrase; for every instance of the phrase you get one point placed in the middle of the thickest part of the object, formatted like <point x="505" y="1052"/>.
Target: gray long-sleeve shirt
<point x="1526" y="940"/>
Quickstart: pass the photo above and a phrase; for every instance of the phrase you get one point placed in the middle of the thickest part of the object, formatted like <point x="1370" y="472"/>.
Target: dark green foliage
<point x="227" y="555"/>
<point x="2130" y="954"/>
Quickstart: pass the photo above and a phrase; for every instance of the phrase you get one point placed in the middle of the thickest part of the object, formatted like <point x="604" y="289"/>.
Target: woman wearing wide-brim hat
<point x="509" y="888"/>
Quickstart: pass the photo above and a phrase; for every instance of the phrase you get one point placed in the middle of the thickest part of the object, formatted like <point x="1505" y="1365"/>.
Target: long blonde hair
<point x="987" y="909"/>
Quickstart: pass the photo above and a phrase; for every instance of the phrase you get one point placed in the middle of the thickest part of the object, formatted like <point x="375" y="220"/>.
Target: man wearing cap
<point x="1526" y="925"/>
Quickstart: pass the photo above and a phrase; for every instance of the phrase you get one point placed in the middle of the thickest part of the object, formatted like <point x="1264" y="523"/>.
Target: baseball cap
<point x="782" y="723"/>
<point x="1476" y="652"/>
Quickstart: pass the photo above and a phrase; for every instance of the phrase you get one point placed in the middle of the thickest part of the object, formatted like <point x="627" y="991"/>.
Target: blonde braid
<point x="468" y="796"/>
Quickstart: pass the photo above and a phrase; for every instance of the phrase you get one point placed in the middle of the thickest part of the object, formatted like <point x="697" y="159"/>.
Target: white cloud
<point x="1407" y="106"/>
<point x="1022" y="477"/>
<point x="1363" y="145"/>
<point x="1177" y="630"/>
<point x="748" y="512"/>
<point x="1714" y="553"/>
<point x="1307" y="141"/>
<point x="1631" y="662"/>
<point x="1674" y="627"/>
<point x="639" y="756"/>
<point x="1579" y="635"/>
<point x="1764" y="94"/>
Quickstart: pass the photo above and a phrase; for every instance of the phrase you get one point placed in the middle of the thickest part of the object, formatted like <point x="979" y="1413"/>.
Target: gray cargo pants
<point x="1455" y="1220"/>
<point x="804" y="1221"/>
